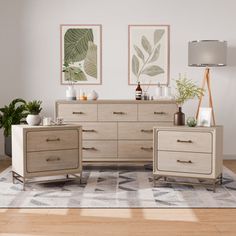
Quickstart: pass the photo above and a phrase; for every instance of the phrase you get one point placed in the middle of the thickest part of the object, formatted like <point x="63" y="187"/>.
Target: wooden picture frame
<point x="149" y="54"/>
<point x="81" y="54"/>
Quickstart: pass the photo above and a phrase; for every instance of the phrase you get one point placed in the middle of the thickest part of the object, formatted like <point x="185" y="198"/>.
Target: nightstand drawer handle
<point x="89" y="130"/>
<point x="52" y="140"/>
<point x="53" y="159"/>
<point x="118" y="113"/>
<point x="188" y="162"/>
<point x="146" y="130"/>
<point x="77" y="112"/>
<point x="184" y="141"/>
<point x="159" y="113"/>
<point x="147" y="148"/>
<point x="89" y="148"/>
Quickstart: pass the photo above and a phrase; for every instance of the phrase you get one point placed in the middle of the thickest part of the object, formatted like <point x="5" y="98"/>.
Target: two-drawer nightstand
<point x="39" y="151"/>
<point x="188" y="152"/>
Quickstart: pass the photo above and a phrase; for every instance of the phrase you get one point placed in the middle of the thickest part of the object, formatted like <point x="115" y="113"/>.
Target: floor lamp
<point x="207" y="53"/>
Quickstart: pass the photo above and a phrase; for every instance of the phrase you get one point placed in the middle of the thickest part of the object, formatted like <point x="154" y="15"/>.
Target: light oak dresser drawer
<point x="185" y="141"/>
<point x="77" y="112"/>
<point x="52" y="160"/>
<point x="99" y="149"/>
<point x="100" y="130"/>
<point x="135" y="149"/>
<point x="51" y="140"/>
<point x="117" y="112"/>
<point x="184" y="162"/>
<point x="135" y="130"/>
<point x="156" y="112"/>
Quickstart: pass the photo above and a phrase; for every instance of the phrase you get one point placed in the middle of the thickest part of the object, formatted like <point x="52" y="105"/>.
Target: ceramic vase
<point x="179" y="117"/>
<point x="70" y="93"/>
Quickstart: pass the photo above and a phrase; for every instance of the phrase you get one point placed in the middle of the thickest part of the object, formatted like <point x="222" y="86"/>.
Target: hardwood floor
<point x="161" y="222"/>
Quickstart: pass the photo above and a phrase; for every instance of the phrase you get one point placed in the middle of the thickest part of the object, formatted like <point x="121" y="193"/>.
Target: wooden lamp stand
<point x="206" y="80"/>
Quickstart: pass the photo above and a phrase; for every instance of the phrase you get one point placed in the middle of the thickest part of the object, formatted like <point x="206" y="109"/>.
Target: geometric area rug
<point x="117" y="187"/>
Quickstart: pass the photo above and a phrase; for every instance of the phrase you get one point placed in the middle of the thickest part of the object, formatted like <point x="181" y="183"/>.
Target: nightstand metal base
<point x="164" y="179"/>
<point x="24" y="181"/>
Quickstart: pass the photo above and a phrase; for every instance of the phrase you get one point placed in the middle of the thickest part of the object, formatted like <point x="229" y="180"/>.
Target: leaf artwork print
<point x="80" y="55"/>
<point x="144" y="61"/>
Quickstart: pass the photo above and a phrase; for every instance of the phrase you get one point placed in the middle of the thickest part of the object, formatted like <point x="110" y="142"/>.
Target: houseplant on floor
<point x="12" y="114"/>
<point x="185" y="90"/>
<point x="34" y="108"/>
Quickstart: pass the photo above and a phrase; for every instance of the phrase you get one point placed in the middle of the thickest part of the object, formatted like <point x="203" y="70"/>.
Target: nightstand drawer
<point x="52" y="160"/>
<point x="77" y="112"/>
<point x="51" y="140"/>
<point x="99" y="149"/>
<point x="102" y="130"/>
<point x="185" y="141"/>
<point x="156" y="112"/>
<point x="184" y="162"/>
<point x="117" y="112"/>
<point x="135" y="149"/>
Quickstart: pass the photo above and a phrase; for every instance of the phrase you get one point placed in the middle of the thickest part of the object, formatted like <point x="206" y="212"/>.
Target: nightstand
<point x="39" y="151"/>
<point x="192" y="152"/>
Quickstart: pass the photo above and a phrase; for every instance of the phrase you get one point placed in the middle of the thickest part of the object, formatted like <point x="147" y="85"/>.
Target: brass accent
<point x="189" y="162"/>
<point x="118" y="113"/>
<point x="77" y="112"/>
<point x="146" y="130"/>
<point x="89" y="148"/>
<point x="89" y="130"/>
<point x="52" y="140"/>
<point x="159" y="113"/>
<point x="147" y="148"/>
<point x="53" y="159"/>
<point x="184" y="141"/>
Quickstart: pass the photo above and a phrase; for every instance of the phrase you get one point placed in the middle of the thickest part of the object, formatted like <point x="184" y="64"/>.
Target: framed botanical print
<point x="81" y="54"/>
<point x="148" y="54"/>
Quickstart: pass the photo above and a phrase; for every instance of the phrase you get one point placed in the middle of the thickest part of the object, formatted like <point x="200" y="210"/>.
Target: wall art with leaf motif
<point x="148" y="54"/>
<point x="81" y="56"/>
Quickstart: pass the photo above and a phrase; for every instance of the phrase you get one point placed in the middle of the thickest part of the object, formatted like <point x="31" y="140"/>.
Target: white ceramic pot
<point x="33" y="120"/>
<point x="93" y="95"/>
<point x="71" y="93"/>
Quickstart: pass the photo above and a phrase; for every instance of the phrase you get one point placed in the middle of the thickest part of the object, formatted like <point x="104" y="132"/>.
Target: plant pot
<point x="70" y="93"/>
<point x="179" y="117"/>
<point x="7" y="144"/>
<point x="33" y="120"/>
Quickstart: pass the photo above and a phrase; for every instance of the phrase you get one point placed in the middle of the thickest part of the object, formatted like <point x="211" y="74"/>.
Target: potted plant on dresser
<point x="12" y="114"/>
<point x="185" y="90"/>
<point x="34" y="108"/>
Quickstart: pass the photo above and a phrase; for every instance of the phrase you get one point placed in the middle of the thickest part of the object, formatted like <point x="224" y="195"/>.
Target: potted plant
<point x="70" y="73"/>
<point x="12" y="114"/>
<point x="34" y="108"/>
<point x="185" y="90"/>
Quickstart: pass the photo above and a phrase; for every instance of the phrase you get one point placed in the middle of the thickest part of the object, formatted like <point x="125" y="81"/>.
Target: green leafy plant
<point x="142" y="64"/>
<point x="34" y="107"/>
<point x="186" y="90"/>
<point x="12" y="114"/>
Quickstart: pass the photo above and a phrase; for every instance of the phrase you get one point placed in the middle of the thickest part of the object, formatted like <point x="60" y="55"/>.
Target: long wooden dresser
<point x="117" y="130"/>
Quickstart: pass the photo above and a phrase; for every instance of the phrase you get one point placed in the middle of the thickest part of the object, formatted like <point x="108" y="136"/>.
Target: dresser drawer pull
<point x="53" y="159"/>
<point x="89" y="148"/>
<point x="89" y="130"/>
<point x="118" y="113"/>
<point x="147" y="148"/>
<point x="184" y="141"/>
<point x="53" y="139"/>
<point x="146" y="130"/>
<point x="159" y="113"/>
<point x="188" y="162"/>
<point x="77" y="113"/>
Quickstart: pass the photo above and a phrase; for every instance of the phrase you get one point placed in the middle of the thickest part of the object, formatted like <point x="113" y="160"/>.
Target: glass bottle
<point x="138" y="92"/>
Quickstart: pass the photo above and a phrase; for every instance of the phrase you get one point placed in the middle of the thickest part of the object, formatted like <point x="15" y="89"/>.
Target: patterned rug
<point x="116" y="187"/>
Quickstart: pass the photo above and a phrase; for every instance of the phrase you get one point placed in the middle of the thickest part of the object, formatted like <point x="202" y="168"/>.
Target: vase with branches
<point x="185" y="90"/>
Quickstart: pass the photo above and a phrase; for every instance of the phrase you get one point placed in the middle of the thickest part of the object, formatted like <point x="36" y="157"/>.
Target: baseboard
<point x="229" y="157"/>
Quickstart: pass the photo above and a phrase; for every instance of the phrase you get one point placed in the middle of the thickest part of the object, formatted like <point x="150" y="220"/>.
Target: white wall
<point x="188" y="20"/>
